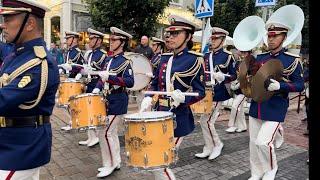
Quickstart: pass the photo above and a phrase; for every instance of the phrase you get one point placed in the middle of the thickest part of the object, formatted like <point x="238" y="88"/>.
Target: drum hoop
<point x="140" y="168"/>
<point x="148" y="119"/>
<point x="86" y="95"/>
<point x="70" y="81"/>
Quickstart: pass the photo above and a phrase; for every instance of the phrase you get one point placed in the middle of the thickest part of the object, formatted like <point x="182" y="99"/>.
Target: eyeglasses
<point x="215" y="37"/>
<point x="172" y="33"/>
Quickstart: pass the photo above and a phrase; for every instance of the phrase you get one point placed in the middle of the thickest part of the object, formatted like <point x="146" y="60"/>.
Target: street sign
<point x="204" y="8"/>
<point x="265" y="2"/>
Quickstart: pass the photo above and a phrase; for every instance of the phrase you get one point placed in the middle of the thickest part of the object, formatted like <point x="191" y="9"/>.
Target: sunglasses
<point x="173" y="33"/>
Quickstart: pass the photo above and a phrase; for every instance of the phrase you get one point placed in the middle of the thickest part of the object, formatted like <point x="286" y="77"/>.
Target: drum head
<point x="148" y="116"/>
<point x="140" y="66"/>
<point x="71" y="80"/>
<point x="86" y="95"/>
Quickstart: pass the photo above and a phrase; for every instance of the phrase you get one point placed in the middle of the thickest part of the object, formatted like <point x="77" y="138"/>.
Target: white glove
<point x="234" y="85"/>
<point x="307" y="92"/>
<point x="219" y="76"/>
<point x="66" y="66"/>
<point x="78" y="77"/>
<point x="60" y="71"/>
<point x="104" y="75"/>
<point x="274" y="85"/>
<point x="177" y="97"/>
<point x="146" y="103"/>
<point x="149" y="75"/>
<point x="96" y="91"/>
<point x="86" y="69"/>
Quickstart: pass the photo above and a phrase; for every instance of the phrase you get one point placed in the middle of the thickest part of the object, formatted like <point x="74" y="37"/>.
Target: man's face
<point x="92" y="41"/>
<point x="53" y="45"/>
<point x="114" y="42"/>
<point x="69" y="41"/>
<point x="275" y="41"/>
<point x="216" y="41"/>
<point x="144" y="41"/>
<point x="11" y="25"/>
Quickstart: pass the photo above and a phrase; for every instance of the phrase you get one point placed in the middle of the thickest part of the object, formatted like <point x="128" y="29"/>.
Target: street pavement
<point x="69" y="161"/>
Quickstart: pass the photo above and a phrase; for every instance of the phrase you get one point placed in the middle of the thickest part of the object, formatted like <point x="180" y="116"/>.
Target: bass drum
<point x="142" y="70"/>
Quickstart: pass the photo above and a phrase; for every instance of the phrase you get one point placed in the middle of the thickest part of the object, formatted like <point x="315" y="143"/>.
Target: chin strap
<point x="21" y="27"/>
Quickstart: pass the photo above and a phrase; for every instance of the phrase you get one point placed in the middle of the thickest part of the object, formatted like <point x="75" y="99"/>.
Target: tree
<point x="137" y="17"/>
<point x="304" y="5"/>
<point x="228" y="13"/>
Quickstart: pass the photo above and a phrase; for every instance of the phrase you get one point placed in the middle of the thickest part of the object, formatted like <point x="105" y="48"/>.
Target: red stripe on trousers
<point x="10" y="175"/>
<point x="166" y="172"/>
<point x="214" y="144"/>
<point x="270" y="148"/>
<point x="235" y="119"/>
<point x="106" y="136"/>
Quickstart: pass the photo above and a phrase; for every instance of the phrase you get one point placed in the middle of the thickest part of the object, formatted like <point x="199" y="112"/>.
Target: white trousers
<point x="109" y="142"/>
<point x="166" y="173"/>
<point x="210" y="135"/>
<point x="237" y="117"/>
<point x="262" y="154"/>
<point x="30" y="174"/>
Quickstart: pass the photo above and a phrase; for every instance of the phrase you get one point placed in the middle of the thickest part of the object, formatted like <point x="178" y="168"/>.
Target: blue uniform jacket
<point x="29" y="147"/>
<point x="275" y="108"/>
<point x="97" y="57"/>
<point x="74" y="55"/>
<point x="118" y="102"/>
<point x="5" y="50"/>
<point x="155" y="60"/>
<point x="182" y="62"/>
<point x="223" y="61"/>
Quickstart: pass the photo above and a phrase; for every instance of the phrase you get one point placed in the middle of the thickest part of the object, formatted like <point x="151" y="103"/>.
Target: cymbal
<point x="273" y="68"/>
<point x="243" y="77"/>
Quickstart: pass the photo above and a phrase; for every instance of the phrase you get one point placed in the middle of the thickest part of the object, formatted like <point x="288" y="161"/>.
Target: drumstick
<point x="97" y="73"/>
<point x="147" y="74"/>
<point x="208" y="72"/>
<point x="170" y="93"/>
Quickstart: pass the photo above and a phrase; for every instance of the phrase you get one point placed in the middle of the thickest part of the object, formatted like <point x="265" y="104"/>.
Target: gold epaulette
<point x="167" y="54"/>
<point x="40" y="52"/>
<point x="103" y="51"/>
<point x="196" y="53"/>
<point x="226" y="51"/>
<point x="291" y="54"/>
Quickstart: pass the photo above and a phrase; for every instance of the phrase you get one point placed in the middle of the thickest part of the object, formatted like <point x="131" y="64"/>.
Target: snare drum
<point x="87" y="110"/>
<point x="205" y="105"/>
<point x="67" y="89"/>
<point x="149" y="140"/>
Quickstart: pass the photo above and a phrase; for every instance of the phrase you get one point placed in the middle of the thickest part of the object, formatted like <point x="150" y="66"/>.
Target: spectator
<point x="144" y="48"/>
<point x="53" y="51"/>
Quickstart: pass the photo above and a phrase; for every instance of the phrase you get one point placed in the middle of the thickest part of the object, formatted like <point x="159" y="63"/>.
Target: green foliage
<point x="228" y="13"/>
<point x="137" y="17"/>
<point x="304" y="5"/>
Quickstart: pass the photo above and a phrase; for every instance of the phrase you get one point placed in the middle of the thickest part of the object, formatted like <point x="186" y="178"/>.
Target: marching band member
<point x="183" y="71"/>
<point x="96" y="57"/>
<point x="157" y="46"/>
<point x="218" y="62"/>
<point x="237" y="121"/>
<point x="114" y="87"/>
<point x="265" y="117"/>
<point x="29" y="80"/>
<point x="74" y="55"/>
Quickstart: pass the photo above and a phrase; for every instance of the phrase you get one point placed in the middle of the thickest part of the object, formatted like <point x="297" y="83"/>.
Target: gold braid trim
<point x="155" y="64"/>
<point x="290" y="69"/>
<point x="121" y="67"/>
<point x="193" y="71"/>
<point x="225" y="65"/>
<point x="43" y="86"/>
<point x="25" y="67"/>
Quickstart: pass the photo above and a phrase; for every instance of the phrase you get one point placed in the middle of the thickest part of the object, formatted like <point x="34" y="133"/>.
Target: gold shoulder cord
<point x="193" y="71"/>
<point x="121" y="67"/>
<point x="41" y="54"/>
<point x="225" y="65"/>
